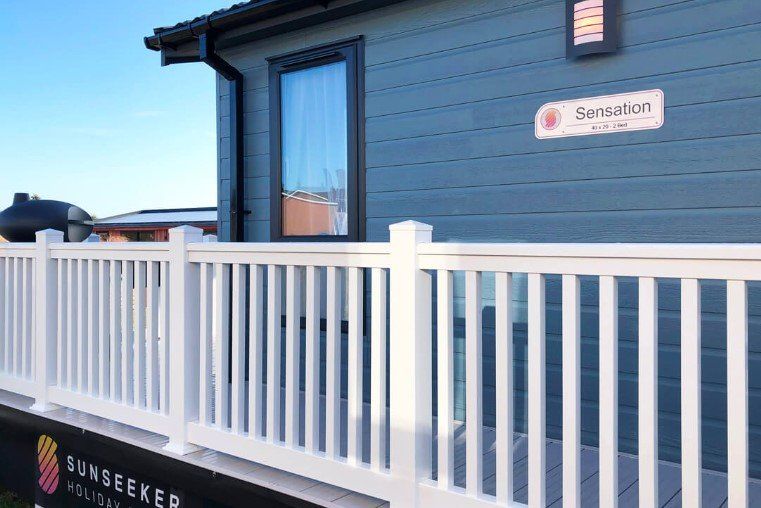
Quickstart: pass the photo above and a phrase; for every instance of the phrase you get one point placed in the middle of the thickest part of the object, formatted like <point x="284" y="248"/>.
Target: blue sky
<point x="89" y="116"/>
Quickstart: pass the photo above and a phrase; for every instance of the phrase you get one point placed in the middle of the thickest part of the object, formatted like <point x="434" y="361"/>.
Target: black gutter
<point x="234" y="77"/>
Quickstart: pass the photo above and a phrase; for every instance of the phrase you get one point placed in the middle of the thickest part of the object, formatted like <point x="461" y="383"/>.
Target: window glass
<point x="314" y="151"/>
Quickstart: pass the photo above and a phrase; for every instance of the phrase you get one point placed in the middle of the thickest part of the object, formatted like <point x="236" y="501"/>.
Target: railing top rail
<point x="702" y="251"/>
<point x="698" y="261"/>
<point x="128" y="251"/>
<point x="17" y="250"/>
<point x="294" y="247"/>
<point x="130" y="246"/>
<point x="365" y="255"/>
<point x="16" y="246"/>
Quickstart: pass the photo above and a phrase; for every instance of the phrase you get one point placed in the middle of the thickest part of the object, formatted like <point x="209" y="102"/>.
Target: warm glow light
<point x="586" y="4"/>
<point x="594" y="29"/>
<point x="587" y="22"/>
<point x="591" y="27"/>
<point x="587" y="38"/>
<point x="592" y="20"/>
<point x="594" y="11"/>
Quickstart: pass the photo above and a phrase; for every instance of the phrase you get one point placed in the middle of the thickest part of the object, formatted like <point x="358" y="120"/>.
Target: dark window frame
<point x="352" y="52"/>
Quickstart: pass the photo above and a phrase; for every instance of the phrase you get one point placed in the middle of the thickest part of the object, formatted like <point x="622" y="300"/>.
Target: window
<point x="315" y="134"/>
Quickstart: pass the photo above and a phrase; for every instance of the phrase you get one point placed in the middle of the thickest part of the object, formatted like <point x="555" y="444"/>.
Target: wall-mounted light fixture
<point x="591" y="27"/>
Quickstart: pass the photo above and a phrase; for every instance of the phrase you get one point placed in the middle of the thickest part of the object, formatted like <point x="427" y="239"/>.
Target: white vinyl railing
<point x="112" y="336"/>
<point x="16" y="316"/>
<point x="186" y="339"/>
<point x="240" y="288"/>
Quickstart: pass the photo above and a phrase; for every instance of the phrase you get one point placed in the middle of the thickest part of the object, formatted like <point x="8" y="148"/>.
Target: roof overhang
<point x="250" y="22"/>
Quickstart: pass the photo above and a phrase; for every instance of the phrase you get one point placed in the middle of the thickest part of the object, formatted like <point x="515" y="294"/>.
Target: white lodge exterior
<point x="417" y="299"/>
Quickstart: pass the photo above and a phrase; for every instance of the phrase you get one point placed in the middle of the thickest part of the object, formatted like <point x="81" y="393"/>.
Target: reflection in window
<point x="314" y="151"/>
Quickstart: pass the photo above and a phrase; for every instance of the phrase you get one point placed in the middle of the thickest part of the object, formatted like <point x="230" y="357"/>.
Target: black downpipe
<point x="234" y="78"/>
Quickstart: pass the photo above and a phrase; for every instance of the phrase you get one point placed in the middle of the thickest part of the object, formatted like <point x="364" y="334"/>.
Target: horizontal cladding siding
<point x="451" y="92"/>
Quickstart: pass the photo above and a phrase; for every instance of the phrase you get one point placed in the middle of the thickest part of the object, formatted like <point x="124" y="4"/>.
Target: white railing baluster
<point x="3" y="317"/>
<point x="737" y="394"/>
<point x="104" y="366"/>
<point x="3" y="314"/>
<point x="537" y="392"/>
<point x="128" y="343"/>
<point x="354" y="365"/>
<point x="378" y="316"/>
<point x="473" y="385"/>
<point x="61" y="323"/>
<point x="164" y="337"/>
<point x="92" y="327"/>
<point x="571" y="392"/>
<point x="221" y="345"/>
<point x="26" y="318"/>
<point x="139" y="309"/>
<point x="274" y="330"/>
<point x="152" y="357"/>
<point x="691" y="394"/>
<point x="238" y="352"/>
<point x="18" y="319"/>
<point x="8" y="311"/>
<point x="608" y="391"/>
<point x="206" y="350"/>
<point x="648" y="392"/>
<point x="292" y="354"/>
<point x="9" y="316"/>
<point x="503" y="351"/>
<point x="312" y="364"/>
<point x="115" y="346"/>
<point x="333" y="364"/>
<point x="81" y="325"/>
<point x="445" y="371"/>
<point x="255" y="351"/>
<point x="71" y="307"/>
<point x="32" y="320"/>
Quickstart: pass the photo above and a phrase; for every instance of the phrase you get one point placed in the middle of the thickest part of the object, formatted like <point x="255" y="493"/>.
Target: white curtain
<point x="314" y="138"/>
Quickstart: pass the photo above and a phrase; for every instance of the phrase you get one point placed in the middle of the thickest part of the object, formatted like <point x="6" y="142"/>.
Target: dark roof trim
<point x="313" y="12"/>
<point x="225" y="19"/>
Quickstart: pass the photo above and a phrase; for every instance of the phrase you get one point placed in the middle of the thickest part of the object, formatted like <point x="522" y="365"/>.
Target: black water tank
<point x="25" y="217"/>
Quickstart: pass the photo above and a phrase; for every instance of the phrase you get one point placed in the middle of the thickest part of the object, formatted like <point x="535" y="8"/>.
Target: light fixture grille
<point x="588" y="25"/>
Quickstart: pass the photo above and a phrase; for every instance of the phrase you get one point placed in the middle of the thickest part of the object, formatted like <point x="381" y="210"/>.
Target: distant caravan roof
<point x="168" y="216"/>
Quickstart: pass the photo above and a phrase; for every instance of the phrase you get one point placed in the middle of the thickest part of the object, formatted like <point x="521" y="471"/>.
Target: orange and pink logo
<point x="47" y="463"/>
<point x="550" y="119"/>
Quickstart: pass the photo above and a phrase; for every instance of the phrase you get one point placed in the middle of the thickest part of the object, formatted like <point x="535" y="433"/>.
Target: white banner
<point x="600" y="115"/>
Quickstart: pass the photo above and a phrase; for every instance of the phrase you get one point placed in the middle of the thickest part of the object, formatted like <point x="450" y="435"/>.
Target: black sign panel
<point x="58" y="465"/>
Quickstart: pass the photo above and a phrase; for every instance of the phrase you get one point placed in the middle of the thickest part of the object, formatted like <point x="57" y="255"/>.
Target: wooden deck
<point x="714" y="484"/>
<point x="669" y="485"/>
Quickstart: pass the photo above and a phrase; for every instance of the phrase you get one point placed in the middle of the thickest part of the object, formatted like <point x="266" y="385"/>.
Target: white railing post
<point x="411" y="362"/>
<point x="45" y="318"/>
<point x="183" y="337"/>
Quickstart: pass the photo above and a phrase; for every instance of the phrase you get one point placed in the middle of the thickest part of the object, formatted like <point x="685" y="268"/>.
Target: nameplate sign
<point x="634" y="111"/>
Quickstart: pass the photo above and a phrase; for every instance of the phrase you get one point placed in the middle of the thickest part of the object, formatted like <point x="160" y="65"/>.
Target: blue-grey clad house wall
<point x="451" y="91"/>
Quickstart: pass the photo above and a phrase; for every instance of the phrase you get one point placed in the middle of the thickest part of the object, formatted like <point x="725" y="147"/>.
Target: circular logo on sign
<point x="47" y="464"/>
<point x="550" y="119"/>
